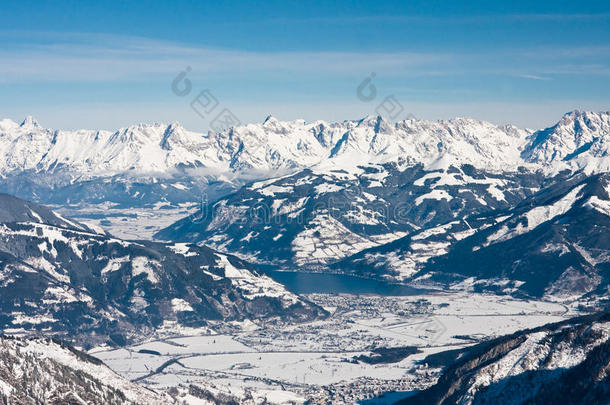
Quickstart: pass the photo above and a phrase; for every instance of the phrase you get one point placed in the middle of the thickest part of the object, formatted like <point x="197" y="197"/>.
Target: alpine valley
<point x="306" y="262"/>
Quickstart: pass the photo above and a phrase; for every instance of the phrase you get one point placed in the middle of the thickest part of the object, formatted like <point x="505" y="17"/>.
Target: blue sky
<point x="76" y="64"/>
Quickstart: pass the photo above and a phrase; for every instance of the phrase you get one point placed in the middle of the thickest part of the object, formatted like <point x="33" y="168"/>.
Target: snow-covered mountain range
<point x="459" y="204"/>
<point x="272" y="145"/>
<point x="276" y="145"/>
<point x="176" y="164"/>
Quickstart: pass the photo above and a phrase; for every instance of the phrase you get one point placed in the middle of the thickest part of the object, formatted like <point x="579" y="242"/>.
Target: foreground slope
<point x="92" y="287"/>
<point x="44" y="371"/>
<point x="566" y="362"/>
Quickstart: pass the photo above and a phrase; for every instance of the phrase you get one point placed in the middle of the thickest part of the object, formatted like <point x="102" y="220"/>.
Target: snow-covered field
<point x="291" y="363"/>
<point x="128" y="223"/>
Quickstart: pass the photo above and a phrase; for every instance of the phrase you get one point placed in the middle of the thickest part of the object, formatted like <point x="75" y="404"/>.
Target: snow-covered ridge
<point x="566" y="362"/>
<point x="56" y="373"/>
<point x="182" y="284"/>
<point x="291" y="145"/>
<point x="579" y="140"/>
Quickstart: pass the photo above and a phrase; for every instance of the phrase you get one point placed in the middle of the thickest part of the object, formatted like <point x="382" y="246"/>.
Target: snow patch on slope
<point x="536" y="217"/>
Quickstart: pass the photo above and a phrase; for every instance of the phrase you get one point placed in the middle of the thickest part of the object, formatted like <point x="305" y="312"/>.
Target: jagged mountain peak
<point x="141" y="130"/>
<point x="30" y="122"/>
<point x="370" y="120"/>
<point x="377" y="122"/>
<point x="463" y="120"/>
<point x="173" y="135"/>
<point x="270" y="119"/>
<point x="579" y="120"/>
<point x="579" y="140"/>
<point x="584" y="113"/>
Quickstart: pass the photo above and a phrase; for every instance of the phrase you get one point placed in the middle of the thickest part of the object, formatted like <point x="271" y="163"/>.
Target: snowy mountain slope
<point x="44" y="371"/>
<point x="314" y="218"/>
<point x="566" y="362"/>
<point x="554" y="244"/>
<point x="13" y="209"/>
<point x="87" y="286"/>
<point x="405" y="257"/>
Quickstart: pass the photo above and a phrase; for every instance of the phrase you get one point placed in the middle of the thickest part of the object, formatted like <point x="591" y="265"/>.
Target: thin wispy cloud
<point x="582" y="69"/>
<point x="451" y="19"/>
<point x="94" y="73"/>
<point x="533" y="77"/>
<point x="91" y="57"/>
